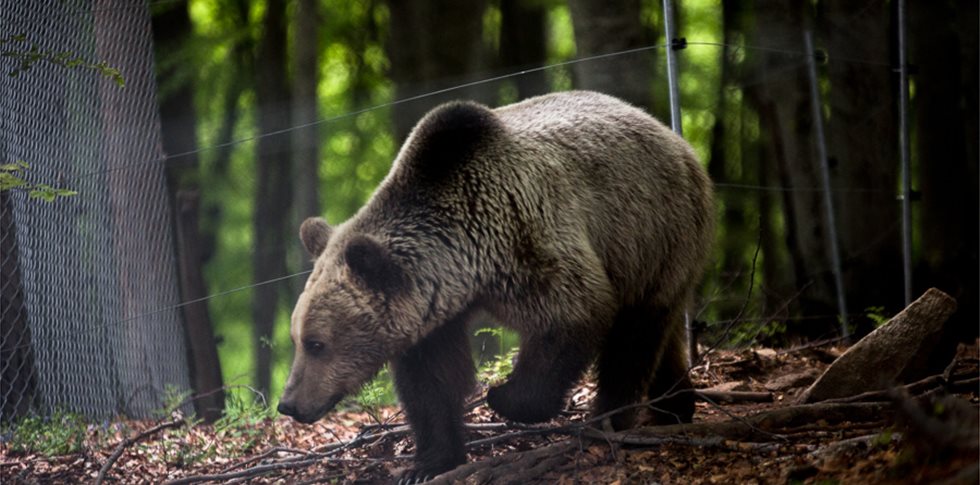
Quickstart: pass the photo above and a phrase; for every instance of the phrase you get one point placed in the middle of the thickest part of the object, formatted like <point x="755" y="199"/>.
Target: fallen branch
<point x="733" y="396"/>
<point x="129" y="442"/>
<point x="915" y="388"/>
<point x="760" y="429"/>
<point x="516" y="467"/>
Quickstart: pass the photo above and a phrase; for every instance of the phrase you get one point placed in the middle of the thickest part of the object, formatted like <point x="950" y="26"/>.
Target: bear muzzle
<point x="290" y="409"/>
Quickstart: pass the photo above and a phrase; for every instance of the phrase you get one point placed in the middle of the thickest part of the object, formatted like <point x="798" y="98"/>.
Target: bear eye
<point x="313" y="347"/>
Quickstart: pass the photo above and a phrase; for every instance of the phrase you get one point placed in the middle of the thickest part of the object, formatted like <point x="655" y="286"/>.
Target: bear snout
<point x="287" y="408"/>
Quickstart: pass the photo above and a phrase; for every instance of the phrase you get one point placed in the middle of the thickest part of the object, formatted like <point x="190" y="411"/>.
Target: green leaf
<point x="9" y="181"/>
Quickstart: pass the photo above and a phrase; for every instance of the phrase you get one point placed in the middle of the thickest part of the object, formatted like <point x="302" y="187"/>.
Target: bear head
<point x="348" y="321"/>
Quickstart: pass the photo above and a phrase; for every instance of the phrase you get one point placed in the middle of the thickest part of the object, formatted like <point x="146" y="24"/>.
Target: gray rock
<point x="888" y="355"/>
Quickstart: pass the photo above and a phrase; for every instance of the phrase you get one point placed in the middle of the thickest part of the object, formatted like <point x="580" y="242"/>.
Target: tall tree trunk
<point x="433" y="45"/>
<point x="603" y="27"/>
<point x="735" y="233"/>
<point x="785" y="120"/>
<point x="178" y="126"/>
<point x="947" y="171"/>
<point x="306" y="139"/>
<point x="273" y="180"/>
<point x="523" y="44"/>
<point x="18" y="383"/>
<point x="202" y="349"/>
<point x="863" y="107"/>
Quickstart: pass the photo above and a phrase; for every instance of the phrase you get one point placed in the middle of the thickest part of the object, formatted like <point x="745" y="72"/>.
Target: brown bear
<point x="573" y="218"/>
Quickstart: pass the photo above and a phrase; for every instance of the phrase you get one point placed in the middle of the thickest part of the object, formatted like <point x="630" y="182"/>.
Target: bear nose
<point x="287" y="408"/>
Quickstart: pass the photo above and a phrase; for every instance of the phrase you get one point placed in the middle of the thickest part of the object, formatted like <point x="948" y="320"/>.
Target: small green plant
<point x="173" y="398"/>
<point x="377" y="393"/>
<point x="62" y="433"/>
<point x="179" y="448"/>
<point x="877" y="315"/>
<point x="498" y="367"/>
<point x="496" y="370"/>
<point x="11" y="178"/>
<point x="243" y="423"/>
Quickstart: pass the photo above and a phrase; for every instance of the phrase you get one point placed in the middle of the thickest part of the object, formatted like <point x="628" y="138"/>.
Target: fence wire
<point x="105" y="254"/>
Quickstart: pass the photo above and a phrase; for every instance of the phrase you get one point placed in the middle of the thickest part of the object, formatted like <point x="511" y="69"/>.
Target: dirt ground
<point x="361" y="447"/>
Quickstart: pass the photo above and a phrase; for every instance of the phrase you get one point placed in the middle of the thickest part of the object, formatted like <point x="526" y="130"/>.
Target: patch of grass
<point x="63" y="433"/>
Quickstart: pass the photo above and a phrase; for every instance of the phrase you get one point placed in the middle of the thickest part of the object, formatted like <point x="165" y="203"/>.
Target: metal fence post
<point x="675" y="124"/>
<point x="669" y="33"/>
<point x="825" y="180"/>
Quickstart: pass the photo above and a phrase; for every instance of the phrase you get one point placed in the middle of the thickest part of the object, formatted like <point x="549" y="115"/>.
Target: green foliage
<point x="883" y="439"/>
<point x="11" y="179"/>
<point x="877" y="315"/>
<point x="244" y="423"/>
<point x="496" y="369"/>
<point x="178" y="451"/>
<point x="377" y="393"/>
<point x="28" y="54"/>
<point x="61" y="434"/>
<point x="173" y="398"/>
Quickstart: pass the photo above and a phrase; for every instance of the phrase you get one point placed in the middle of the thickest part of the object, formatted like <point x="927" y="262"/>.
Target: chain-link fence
<point x="84" y="278"/>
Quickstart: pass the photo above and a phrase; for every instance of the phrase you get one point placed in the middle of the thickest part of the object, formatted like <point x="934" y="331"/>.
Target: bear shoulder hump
<point x="450" y="135"/>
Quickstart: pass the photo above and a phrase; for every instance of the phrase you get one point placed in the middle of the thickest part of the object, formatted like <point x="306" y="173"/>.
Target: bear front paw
<point x="524" y="404"/>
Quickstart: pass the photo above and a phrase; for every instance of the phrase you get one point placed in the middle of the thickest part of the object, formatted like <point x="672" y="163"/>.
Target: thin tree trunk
<point x="863" y="107"/>
<point x="603" y="27"/>
<point x="273" y="180"/>
<point x="783" y="105"/>
<point x="523" y="44"/>
<point x="433" y="45"/>
<point x="178" y="126"/>
<point x="202" y="349"/>
<point x="306" y="138"/>
<point x="943" y="57"/>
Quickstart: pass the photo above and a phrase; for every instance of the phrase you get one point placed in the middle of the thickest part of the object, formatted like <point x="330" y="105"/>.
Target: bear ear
<point x="314" y="233"/>
<point x="373" y="265"/>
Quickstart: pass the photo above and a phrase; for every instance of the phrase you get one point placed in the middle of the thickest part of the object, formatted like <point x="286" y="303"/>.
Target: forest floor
<point x="363" y="447"/>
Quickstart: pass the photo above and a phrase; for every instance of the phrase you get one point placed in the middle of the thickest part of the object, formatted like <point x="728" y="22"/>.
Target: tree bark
<point x="942" y="58"/>
<point x="306" y="139"/>
<point x="178" y="127"/>
<point x="523" y="44"/>
<point x="273" y="180"/>
<point x="603" y="27"/>
<point x="202" y="348"/>
<point x="863" y="107"/>
<point x="781" y="99"/>
<point x="433" y="45"/>
<point x="18" y="386"/>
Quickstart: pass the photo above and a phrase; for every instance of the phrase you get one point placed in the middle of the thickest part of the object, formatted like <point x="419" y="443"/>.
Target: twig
<point x="733" y="396"/>
<point x="263" y="456"/>
<point x="130" y="441"/>
<point x="915" y="388"/>
<point x="810" y="345"/>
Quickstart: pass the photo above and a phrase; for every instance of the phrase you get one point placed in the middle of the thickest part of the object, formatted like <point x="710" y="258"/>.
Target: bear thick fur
<point x="573" y="218"/>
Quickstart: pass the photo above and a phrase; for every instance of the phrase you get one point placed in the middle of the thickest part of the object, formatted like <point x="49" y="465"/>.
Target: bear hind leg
<point x="639" y="360"/>
<point x="547" y="367"/>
